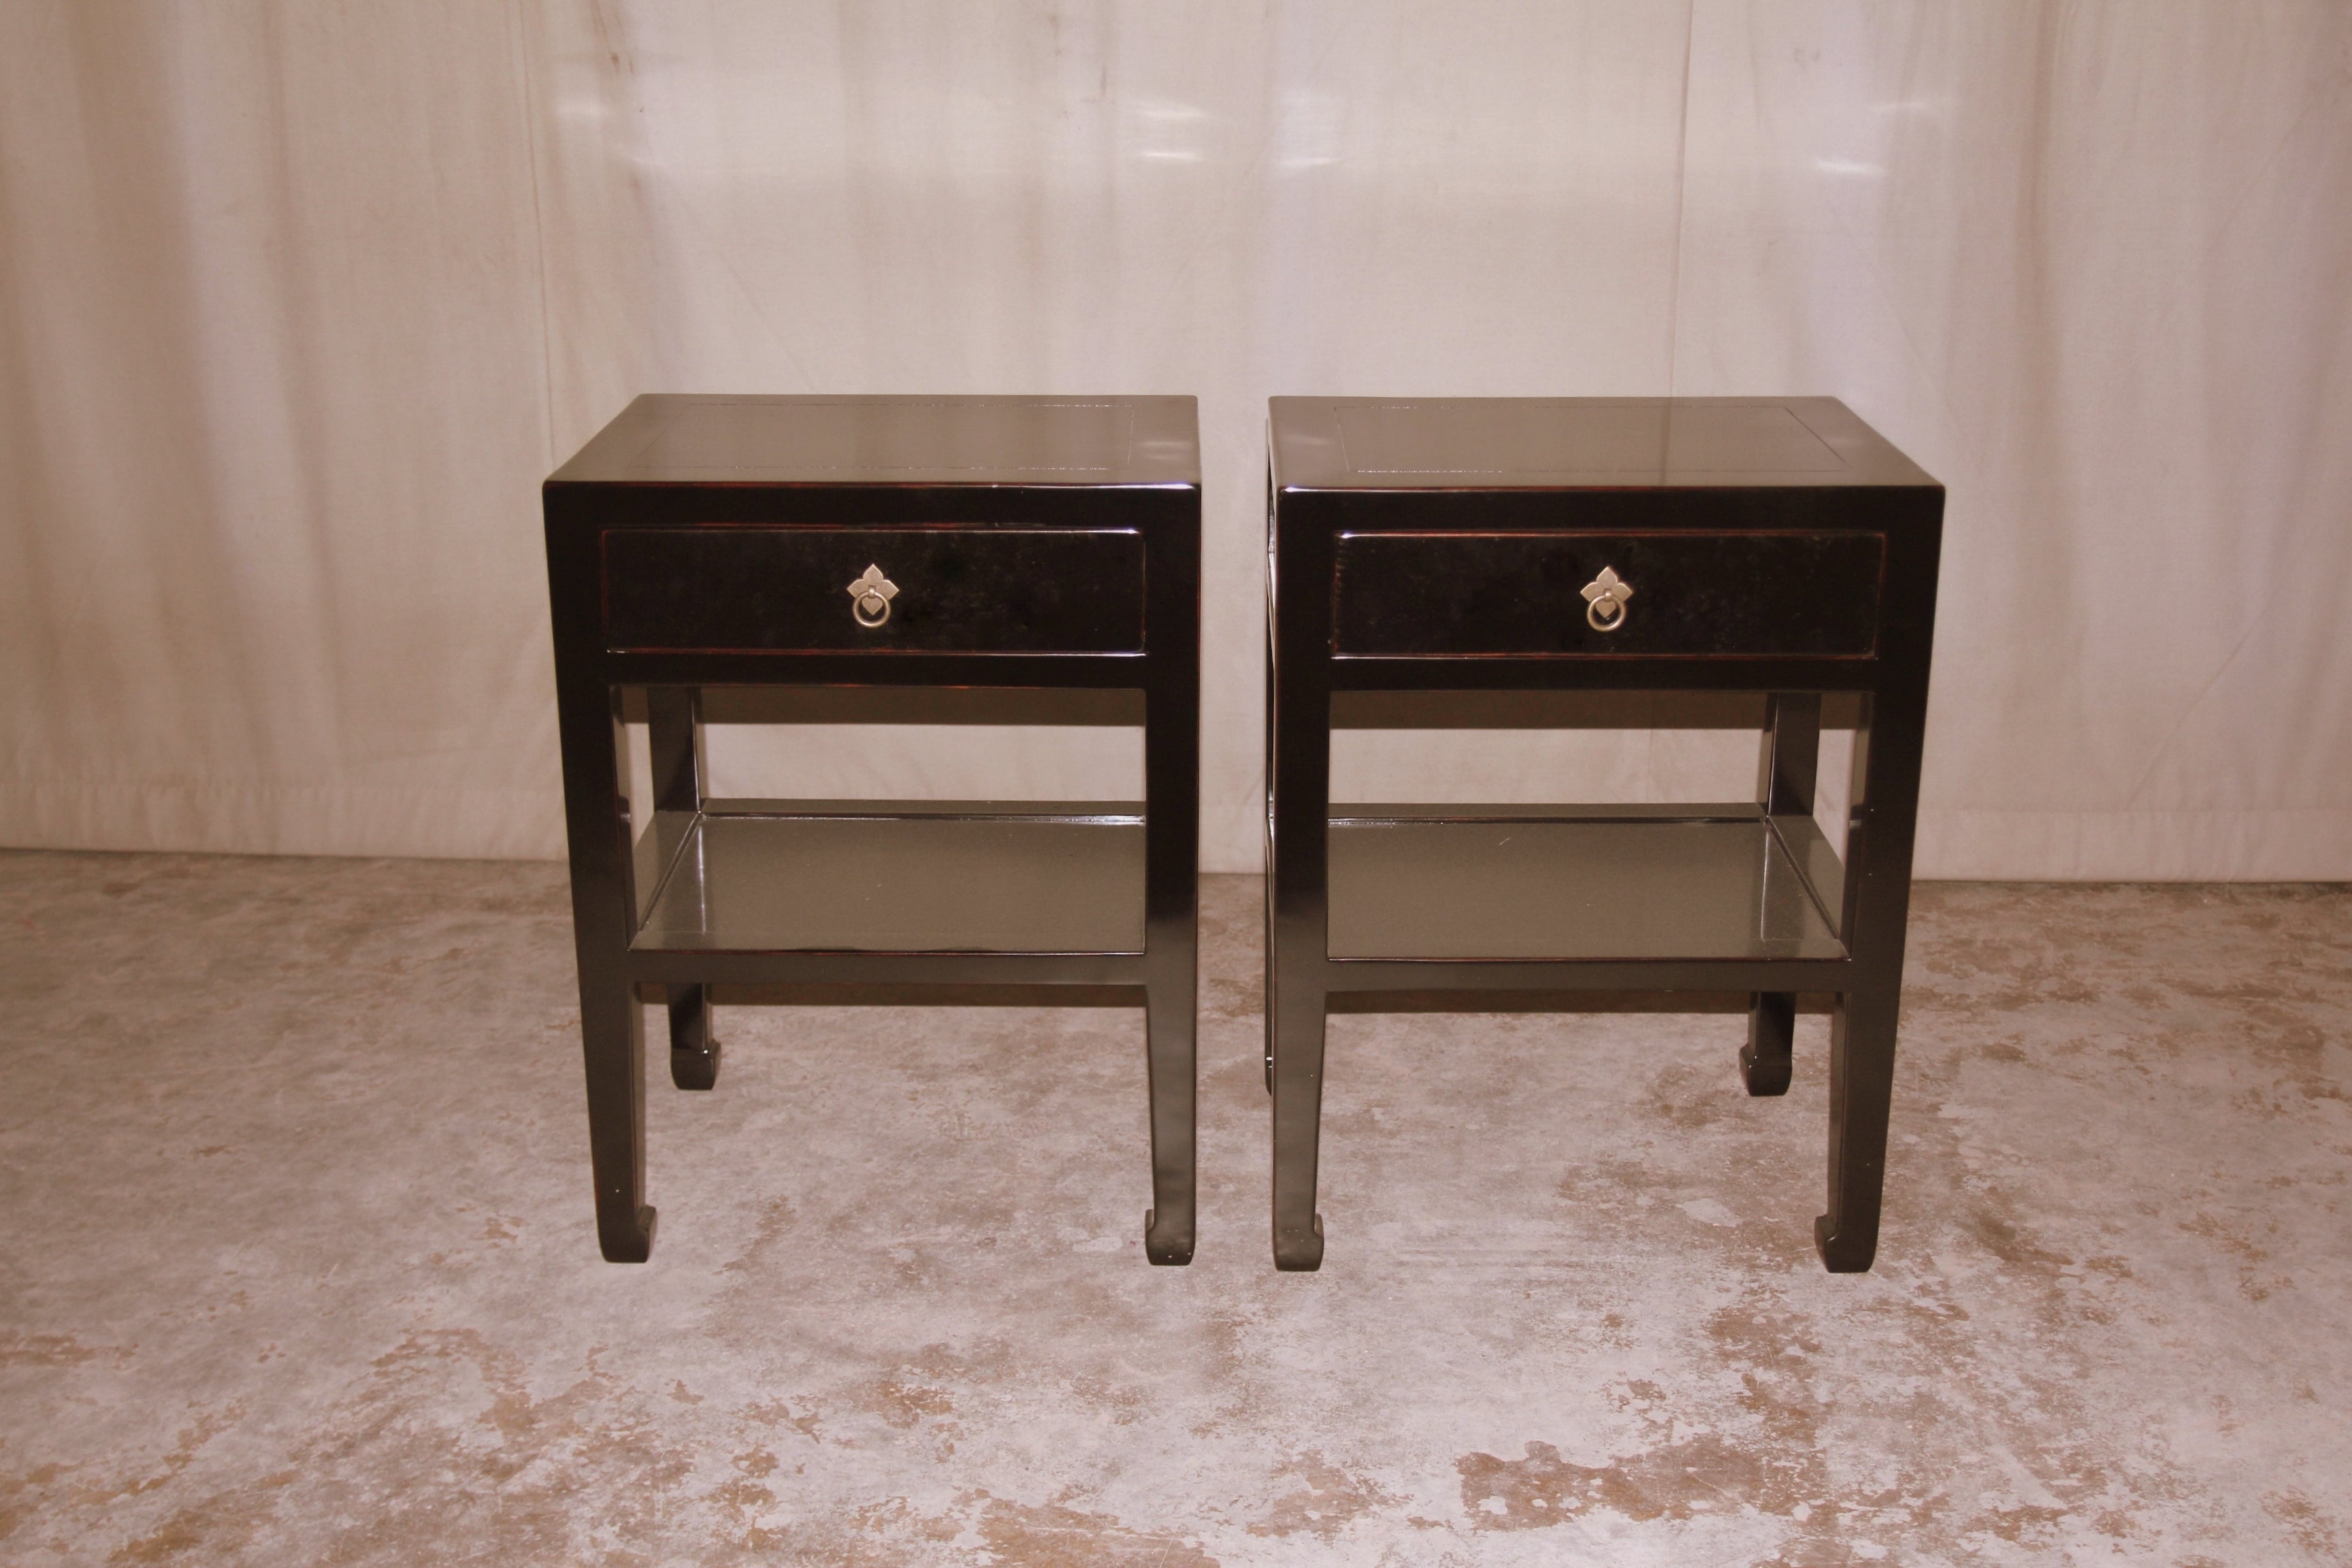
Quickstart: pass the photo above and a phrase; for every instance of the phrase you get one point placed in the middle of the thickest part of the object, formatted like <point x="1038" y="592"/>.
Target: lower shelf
<point x="900" y="877"/>
<point x="1567" y="884"/>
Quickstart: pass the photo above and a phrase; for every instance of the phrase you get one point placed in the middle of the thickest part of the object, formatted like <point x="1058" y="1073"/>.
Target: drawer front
<point x="1807" y="596"/>
<point x="931" y="590"/>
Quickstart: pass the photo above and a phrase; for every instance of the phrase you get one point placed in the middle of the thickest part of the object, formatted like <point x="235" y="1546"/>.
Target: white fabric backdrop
<point x="299" y="302"/>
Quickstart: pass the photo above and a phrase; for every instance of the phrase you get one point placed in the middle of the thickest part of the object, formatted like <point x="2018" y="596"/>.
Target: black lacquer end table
<point x="885" y="559"/>
<point x="1496" y="562"/>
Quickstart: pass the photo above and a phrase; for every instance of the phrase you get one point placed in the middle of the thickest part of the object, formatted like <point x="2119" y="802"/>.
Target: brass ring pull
<point x="870" y="596"/>
<point x="1605" y="596"/>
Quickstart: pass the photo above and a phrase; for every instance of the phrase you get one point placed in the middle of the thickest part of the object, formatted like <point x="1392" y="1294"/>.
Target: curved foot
<point x="1764" y="1065"/>
<point x="1764" y="1076"/>
<point x="1296" y="1254"/>
<point x="1844" y="1255"/>
<point x="1171" y="1246"/>
<point x="627" y="1243"/>
<point x="694" y="1069"/>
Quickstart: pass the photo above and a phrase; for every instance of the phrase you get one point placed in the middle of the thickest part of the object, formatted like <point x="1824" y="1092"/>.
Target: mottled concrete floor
<point x="299" y="1266"/>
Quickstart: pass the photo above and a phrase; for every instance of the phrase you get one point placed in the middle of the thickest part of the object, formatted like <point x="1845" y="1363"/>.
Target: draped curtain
<point x="299" y="302"/>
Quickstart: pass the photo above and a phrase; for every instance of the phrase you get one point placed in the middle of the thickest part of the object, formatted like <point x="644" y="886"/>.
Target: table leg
<point x="1272" y="997"/>
<point x="1861" y="1087"/>
<point x="1766" y="1063"/>
<point x="612" y="1026"/>
<point x="1266" y="1001"/>
<point x="1887" y="746"/>
<point x="1785" y="776"/>
<point x="614" y="1041"/>
<point x="1297" y="1127"/>
<point x="1298" y="781"/>
<point x="1171" y="816"/>
<point x="1171" y="988"/>
<point x="673" y="738"/>
<point x="1167" y="1229"/>
<point x="693" y="1048"/>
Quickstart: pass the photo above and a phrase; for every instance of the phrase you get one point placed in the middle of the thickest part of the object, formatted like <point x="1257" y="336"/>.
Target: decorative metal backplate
<point x="870" y="596"/>
<point x="1604" y="600"/>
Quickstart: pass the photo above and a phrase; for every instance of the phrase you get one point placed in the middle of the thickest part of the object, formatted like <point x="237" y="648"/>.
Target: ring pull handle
<point x="870" y="596"/>
<point x="1604" y="600"/>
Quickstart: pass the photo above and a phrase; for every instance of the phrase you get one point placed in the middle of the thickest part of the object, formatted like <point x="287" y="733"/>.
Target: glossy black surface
<point x="1513" y="883"/>
<point x="1785" y="776"/>
<point x="1377" y="619"/>
<point x="958" y="590"/>
<point x="1038" y="538"/>
<point x="894" y="879"/>
<point x="1588" y="445"/>
<point x="717" y="438"/>
<point x="1468" y="594"/>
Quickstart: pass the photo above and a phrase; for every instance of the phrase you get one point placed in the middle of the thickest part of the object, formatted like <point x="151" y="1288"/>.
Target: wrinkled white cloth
<point x="299" y="301"/>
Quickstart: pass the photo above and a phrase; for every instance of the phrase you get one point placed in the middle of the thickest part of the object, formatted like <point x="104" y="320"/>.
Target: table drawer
<point x="943" y="589"/>
<point x="1807" y="596"/>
